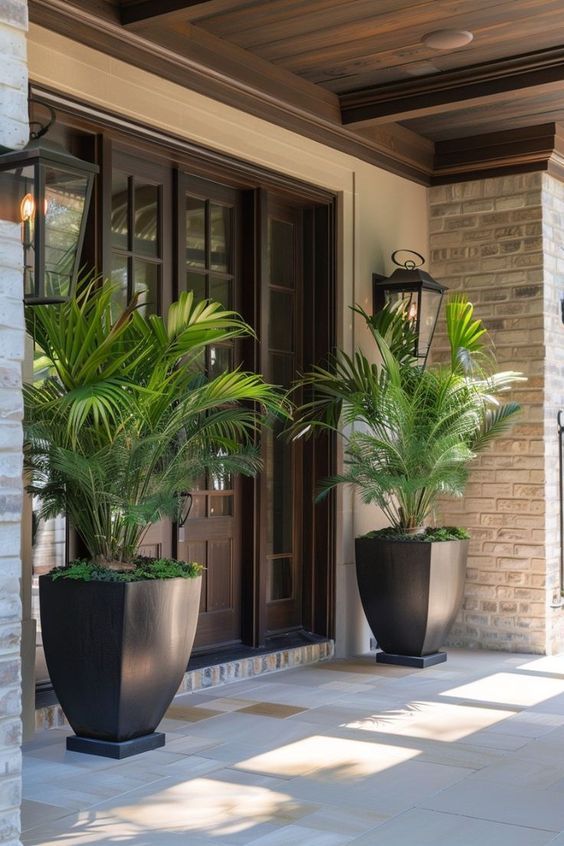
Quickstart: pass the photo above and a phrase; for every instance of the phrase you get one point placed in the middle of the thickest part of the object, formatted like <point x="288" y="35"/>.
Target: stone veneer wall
<point x="497" y="240"/>
<point x="553" y="248"/>
<point x="13" y="134"/>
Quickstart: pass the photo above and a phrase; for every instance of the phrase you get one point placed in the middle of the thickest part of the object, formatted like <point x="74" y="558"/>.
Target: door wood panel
<point x="208" y="238"/>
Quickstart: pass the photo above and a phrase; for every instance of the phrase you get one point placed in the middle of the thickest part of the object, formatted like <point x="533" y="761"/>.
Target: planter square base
<point x="116" y="749"/>
<point x="420" y="661"/>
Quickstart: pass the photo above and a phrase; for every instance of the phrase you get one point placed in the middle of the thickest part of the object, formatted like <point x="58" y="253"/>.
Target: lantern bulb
<point x="27" y="208"/>
<point x="412" y="312"/>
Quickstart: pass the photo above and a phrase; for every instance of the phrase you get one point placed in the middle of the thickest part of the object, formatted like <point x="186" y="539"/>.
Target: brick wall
<point x="497" y="240"/>
<point x="13" y="133"/>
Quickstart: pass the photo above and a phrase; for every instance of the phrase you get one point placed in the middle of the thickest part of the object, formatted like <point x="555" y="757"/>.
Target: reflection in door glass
<point x="195" y="232"/>
<point x="220" y="506"/>
<point x="146" y="220"/>
<point x="220" y="237"/>
<point x="220" y="291"/>
<point x="120" y="277"/>
<point x="146" y="283"/>
<point x="221" y="360"/>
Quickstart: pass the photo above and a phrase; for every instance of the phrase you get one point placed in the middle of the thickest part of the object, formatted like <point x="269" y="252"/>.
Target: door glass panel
<point x="195" y="232"/>
<point x="120" y="277"/>
<point x="198" y="508"/>
<point x="220" y="361"/>
<point x="196" y="282"/>
<point x="220" y="506"/>
<point x="146" y="220"/>
<point x="220" y="291"/>
<point x="146" y="282"/>
<point x="220" y="237"/>
<point x="280" y="477"/>
<point x="282" y="369"/>
<point x="199" y="483"/>
<point x="120" y="210"/>
<point x="281" y="578"/>
<point x="281" y="489"/>
<point x="281" y="253"/>
<point x="281" y="321"/>
<point x="221" y="482"/>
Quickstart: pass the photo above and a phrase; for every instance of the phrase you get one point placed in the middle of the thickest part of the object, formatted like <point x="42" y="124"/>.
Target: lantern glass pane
<point x="17" y="204"/>
<point x="64" y="207"/>
<point x="430" y="305"/>
<point x="409" y="300"/>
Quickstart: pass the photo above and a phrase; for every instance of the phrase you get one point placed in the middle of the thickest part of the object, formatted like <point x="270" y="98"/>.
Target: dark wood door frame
<point x="320" y="306"/>
<point x="319" y="226"/>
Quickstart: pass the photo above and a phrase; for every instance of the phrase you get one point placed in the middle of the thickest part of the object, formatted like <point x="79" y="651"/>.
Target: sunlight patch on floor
<point x="544" y="664"/>
<point x="509" y="689"/>
<point x="335" y="758"/>
<point x="432" y="721"/>
<point x="206" y="805"/>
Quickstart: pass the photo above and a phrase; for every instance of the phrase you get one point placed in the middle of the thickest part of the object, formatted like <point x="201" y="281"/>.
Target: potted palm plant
<point x="410" y="434"/>
<point x="116" y="433"/>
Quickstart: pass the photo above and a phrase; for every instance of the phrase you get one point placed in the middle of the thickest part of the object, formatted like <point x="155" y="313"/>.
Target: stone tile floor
<point x="347" y="752"/>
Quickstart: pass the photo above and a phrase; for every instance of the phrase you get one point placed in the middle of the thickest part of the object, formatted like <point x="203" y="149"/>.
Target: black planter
<point x="116" y="654"/>
<point x="411" y="593"/>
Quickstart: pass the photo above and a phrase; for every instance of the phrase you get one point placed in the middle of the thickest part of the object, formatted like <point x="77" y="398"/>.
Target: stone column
<point x="498" y="241"/>
<point x="13" y="134"/>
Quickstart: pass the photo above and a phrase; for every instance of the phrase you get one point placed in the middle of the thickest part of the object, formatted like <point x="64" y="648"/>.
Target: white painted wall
<point x="381" y="212"/>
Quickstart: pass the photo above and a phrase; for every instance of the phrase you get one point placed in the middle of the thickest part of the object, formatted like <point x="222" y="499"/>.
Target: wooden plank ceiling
<point x="362" y="67"/>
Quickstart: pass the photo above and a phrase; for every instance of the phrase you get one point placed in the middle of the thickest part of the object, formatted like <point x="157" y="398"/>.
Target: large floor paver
<point x="348" y="752"/>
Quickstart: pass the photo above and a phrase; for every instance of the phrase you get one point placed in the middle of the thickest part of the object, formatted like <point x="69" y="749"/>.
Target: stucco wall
<point x="13" y="134"/>
<point x="380" y="212"/>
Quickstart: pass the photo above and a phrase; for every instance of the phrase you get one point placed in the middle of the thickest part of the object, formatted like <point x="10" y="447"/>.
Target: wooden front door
<point x="208" y="265"/>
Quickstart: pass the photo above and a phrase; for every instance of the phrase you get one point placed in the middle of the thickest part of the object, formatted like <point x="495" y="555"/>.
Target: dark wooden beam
<point x="201" y="62"/>
<point x="495" y="153"/>
<point x="134" y="12"/>
<point x="471" y="86"/>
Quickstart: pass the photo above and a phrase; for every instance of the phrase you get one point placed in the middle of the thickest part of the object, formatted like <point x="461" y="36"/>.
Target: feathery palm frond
<point x="124" y="421"/>
<point x="410" y="432"/>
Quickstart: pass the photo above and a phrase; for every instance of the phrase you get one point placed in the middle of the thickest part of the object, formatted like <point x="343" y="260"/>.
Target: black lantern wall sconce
<point x="420" y="294"/>
<point x="47" y="190"/>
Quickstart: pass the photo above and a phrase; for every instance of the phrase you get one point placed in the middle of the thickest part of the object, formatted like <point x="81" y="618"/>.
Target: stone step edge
<point x="52" y="716"/>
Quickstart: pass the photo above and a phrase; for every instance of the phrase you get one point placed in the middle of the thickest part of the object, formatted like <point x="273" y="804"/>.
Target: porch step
<point x="51" y="715"/>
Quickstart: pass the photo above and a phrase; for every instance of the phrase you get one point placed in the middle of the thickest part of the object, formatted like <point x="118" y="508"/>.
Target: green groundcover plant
<point x="125" y="419"/>
<point x="432" y="534"/>
<point x="143" y="570"/>
<point x="410" y="432"/>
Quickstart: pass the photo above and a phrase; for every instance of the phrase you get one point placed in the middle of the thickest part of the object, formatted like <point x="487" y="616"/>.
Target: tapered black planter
<point x="411" y="592"/>
<point x="116" y="654"/>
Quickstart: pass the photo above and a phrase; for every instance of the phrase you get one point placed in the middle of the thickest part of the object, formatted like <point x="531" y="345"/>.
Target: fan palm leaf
<point x="410" y="432"/>
<point x="125" y="420"/>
